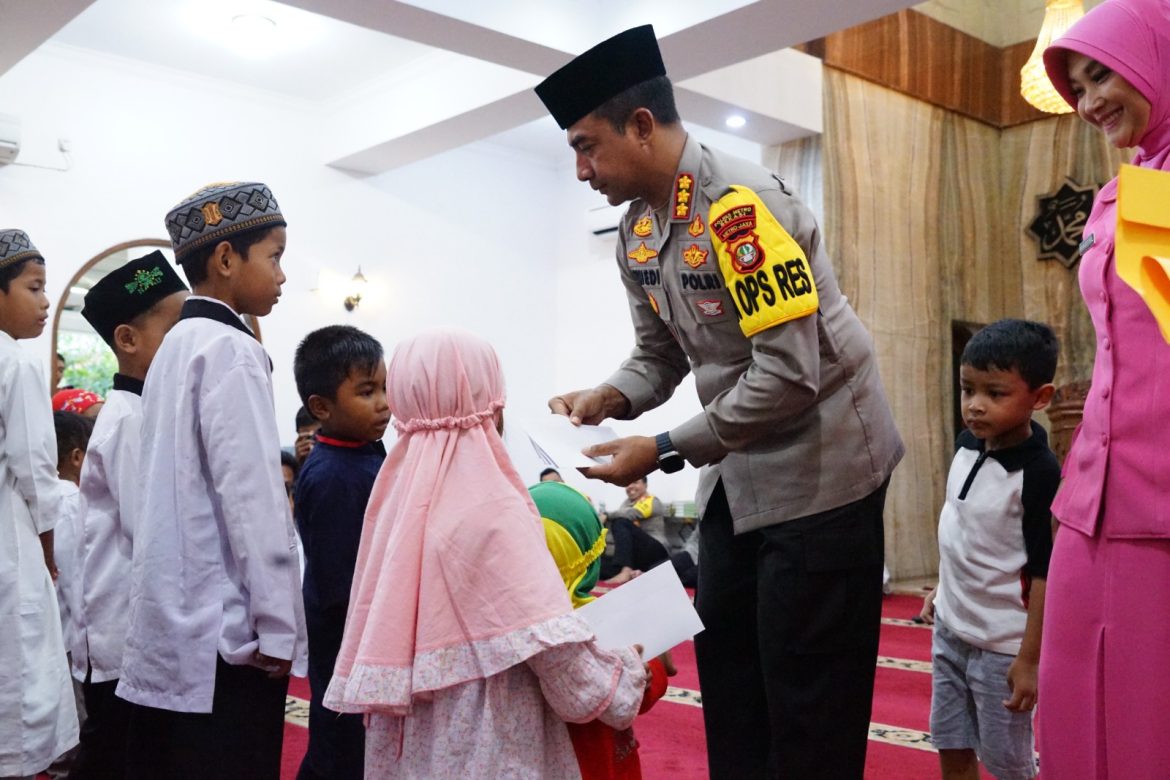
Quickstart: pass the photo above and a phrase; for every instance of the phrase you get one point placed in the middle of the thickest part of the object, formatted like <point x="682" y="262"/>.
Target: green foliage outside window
<point x="89" y="363"/>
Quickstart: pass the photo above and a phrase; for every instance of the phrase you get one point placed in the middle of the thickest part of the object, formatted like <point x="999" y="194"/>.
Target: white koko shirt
<point x="215" y="571"/>
<point x="110" y="487"/>
<point x="38" y="720"/>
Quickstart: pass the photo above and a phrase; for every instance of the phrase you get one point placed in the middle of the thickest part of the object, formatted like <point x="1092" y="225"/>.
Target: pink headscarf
<point x="1132" y="37"/>
<point x="454" y="581"/>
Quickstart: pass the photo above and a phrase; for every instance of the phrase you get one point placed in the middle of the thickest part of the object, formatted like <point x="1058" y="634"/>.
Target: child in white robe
<point x="216" y="616"/>
<point x="38" y="718"/>
<point x="73" y="431"/>
<point x="132" y="308"/>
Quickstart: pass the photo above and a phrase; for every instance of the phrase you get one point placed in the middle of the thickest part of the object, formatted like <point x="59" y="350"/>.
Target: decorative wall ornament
<point x="1060" y="220"/>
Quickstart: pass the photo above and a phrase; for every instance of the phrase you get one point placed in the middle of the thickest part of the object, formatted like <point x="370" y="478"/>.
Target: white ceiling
<point x="311" y="57"/>
<point x="396" y="81"/>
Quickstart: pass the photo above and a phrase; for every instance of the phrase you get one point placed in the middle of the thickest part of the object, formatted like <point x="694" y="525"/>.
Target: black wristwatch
<point x="669" y="461"/>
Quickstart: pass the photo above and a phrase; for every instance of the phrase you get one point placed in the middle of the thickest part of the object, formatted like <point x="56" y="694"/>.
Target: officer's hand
<point x="633" y="458"/>
<point x="590" y="407"/>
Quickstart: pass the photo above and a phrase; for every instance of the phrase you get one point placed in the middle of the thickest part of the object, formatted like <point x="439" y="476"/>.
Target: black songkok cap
<point x="124" y="293"/>
<point x="605" y="71"/>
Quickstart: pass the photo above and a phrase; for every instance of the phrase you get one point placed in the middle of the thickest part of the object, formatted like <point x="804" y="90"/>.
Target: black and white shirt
<point x="994" y="536"/>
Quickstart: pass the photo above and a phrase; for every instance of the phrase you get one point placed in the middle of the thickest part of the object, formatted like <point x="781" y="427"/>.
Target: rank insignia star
<point x="696" y="228"/>
<point x="682" y="196"/>
<point x="643" y="254"/>
<point x="643" y="227"/>
<point x="1061" y="219"/>
<point x="694" y="256"/>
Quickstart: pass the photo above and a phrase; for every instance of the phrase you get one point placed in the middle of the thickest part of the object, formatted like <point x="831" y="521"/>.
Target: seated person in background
<point x="644" y="511"/>
<point x="551" y="475"/>
<point x="637" y="536"/>
<point x="341" y="378"/>
<point x="307" y="428"/>
<point x="78" y="401"/>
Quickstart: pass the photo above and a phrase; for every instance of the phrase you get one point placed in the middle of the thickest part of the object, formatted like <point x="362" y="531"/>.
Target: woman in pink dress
<point x="461" y="643"/>
<point x="1105" y="659"/>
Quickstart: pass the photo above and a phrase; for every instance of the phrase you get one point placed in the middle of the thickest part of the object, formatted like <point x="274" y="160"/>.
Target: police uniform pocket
<point x="705" y="295"/>
<point x="842" y="576"/>
<point x="830" y="586"/>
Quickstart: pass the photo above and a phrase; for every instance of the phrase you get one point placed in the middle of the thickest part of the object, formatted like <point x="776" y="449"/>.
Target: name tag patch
<point x="765" y="269"/>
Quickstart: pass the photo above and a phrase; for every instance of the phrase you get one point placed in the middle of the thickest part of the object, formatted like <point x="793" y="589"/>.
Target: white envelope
<point x="558" y="442"/>
<point x="652" y="610"/>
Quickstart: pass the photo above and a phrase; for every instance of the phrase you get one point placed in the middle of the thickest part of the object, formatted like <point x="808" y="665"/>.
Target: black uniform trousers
<point x="787" y="659"/>
<point x="103" y="734"/>
<point x="632" y="547"/>
<point x="240" y="739"/>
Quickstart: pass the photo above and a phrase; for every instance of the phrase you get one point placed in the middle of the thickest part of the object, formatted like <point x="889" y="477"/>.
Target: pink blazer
<point x="1117" y="473"/>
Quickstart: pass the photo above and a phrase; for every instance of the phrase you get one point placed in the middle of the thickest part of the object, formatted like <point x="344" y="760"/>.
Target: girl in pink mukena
<point x="461" y="642"/>
<point x="1105" y="659"/>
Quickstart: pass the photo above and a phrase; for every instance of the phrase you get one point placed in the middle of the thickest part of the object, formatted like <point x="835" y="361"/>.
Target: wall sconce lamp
<point x="1035" y="87"/>
<point x="356" y="286"/>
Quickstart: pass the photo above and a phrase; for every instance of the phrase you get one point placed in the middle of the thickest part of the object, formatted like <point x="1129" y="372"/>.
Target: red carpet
<point x="671" y="735"/>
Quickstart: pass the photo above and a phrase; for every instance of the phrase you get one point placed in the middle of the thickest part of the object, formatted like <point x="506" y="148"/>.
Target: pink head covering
<point x="1131" y="37"/>
<point x="454" y="581"/>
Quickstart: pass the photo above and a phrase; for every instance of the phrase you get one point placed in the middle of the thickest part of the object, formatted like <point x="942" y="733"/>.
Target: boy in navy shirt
<point x="341" y="378"/>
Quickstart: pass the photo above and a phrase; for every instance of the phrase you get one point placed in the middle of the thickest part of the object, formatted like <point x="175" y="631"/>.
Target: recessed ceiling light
<point x="735" y="121"/>
<point x="253" y="35"/>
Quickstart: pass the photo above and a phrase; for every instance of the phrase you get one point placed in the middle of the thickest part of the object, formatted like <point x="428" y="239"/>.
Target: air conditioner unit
<point x="604" y="219"/>
<point x="9" y="138"/>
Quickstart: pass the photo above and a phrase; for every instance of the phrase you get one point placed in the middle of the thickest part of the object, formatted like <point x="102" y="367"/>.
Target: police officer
<point x="726" y="276"/>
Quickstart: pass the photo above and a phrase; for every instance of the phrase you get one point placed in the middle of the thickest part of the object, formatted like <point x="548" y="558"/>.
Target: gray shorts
<point x="966" y="707"/>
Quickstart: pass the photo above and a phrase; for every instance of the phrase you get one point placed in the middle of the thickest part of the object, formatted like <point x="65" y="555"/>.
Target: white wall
<point x="478" y="238"/>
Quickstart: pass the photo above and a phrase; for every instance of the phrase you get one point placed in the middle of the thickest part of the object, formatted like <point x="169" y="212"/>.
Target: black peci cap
<point x="124" y="293"/>
<point x="605" y="71"/>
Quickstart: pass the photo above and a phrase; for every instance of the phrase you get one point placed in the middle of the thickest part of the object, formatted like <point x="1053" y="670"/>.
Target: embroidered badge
<point x="697" y="227"/>
<point x="643" y="254"/>
<point x="694" y="256"/>
<point x="144" y="280"/>
<point x="736" y="228"/>
<point x="211" y="213"/>
<point x="683" y="189"/>
<point x="653" y="303"/>
<point x="644" y="227"/>
<point x="710" y="308"/>
<point x="766" y="291"/>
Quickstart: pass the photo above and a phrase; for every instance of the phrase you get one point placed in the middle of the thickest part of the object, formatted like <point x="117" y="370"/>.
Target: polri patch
<point x="644" y="227"/>
<point x="765" y="270"/>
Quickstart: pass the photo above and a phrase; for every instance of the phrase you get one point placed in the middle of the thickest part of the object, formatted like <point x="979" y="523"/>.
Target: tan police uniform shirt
<point x="730" y="281"/>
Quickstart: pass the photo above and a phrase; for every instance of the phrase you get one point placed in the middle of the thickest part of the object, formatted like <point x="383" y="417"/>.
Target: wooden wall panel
<point x="917" y="55"/>
<point x="1035" y="159"/>
<point x="924" y="216"/>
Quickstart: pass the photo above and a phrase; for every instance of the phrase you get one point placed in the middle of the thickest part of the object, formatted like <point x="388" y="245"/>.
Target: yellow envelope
<point x="1142" y="248"/>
